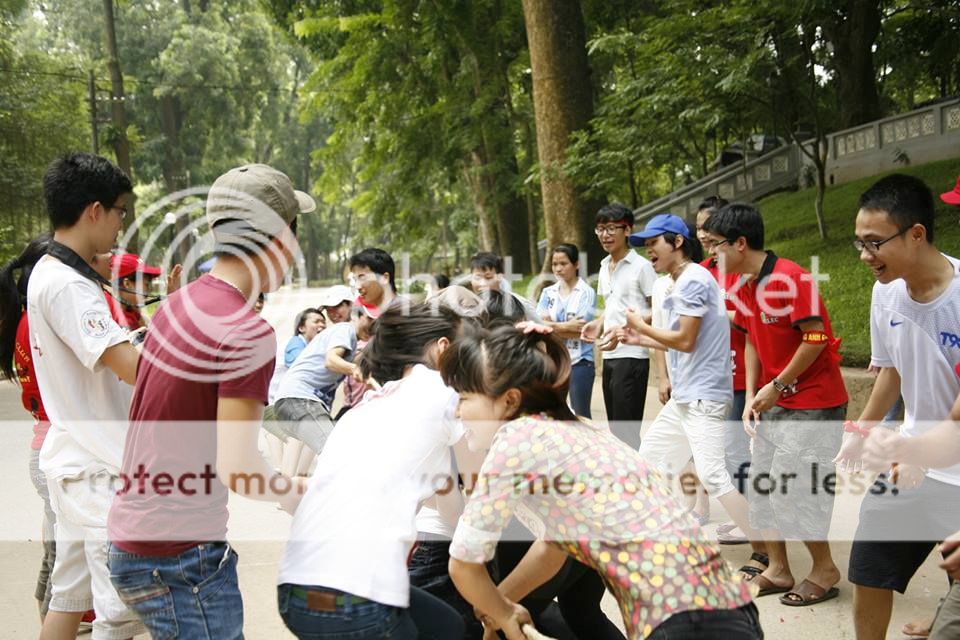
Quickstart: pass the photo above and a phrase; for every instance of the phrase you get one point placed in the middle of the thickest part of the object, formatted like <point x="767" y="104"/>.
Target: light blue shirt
<point x="294" y="348"/>
<point x="309" y="377"/>
<point x="580" y="304"/>
<point x="706" y="372"/>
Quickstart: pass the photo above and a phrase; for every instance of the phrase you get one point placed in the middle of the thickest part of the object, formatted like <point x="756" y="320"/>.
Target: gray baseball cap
<point x="260" y="199"/>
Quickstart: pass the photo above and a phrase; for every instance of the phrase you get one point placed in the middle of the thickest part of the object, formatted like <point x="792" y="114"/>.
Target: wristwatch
<point x="779" y="386"/>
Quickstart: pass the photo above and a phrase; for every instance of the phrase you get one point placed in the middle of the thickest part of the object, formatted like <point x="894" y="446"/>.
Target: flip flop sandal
<point x="768" y="588"/>
<point x="758" y="557"/>
<point x="807" y="594"/>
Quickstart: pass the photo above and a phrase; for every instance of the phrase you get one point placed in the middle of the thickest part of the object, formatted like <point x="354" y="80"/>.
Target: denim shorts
<point x="305" y="420"/>
<point x="191" y="595"/>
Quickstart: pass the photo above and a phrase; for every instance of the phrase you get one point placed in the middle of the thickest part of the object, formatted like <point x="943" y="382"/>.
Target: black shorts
<point x="898" y="530"/>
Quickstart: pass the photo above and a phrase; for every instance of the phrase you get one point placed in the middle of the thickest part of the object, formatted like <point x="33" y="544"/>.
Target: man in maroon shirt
<point x="195" y="417"/>
<point x="795" y="401"/>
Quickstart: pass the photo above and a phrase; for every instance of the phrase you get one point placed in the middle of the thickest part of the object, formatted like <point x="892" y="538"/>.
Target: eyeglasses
<point x="873" y="246"/>
<point x="610" y="229"/>
<point x="709" y="245"/>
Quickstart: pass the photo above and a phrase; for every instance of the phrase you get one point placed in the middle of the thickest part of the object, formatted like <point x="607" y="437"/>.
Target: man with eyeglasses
<point x="914" y="316"/>
<point x="794" y="406"/>
<point x="625" y="281"/>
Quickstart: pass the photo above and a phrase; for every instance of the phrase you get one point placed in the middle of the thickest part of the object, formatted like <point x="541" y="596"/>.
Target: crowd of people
<point x="439" y="457"/>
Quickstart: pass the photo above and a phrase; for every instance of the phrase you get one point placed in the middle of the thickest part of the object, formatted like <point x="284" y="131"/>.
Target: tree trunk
<point x="563" y="103"/>
<point x="853" y="32"/>
<point x="486" y="219"/>
<point x="118" y="113"/>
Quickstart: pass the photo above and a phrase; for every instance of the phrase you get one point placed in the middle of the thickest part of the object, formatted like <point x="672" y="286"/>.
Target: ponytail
<point x="13" y="299"/>
<point x="490" y="363"/>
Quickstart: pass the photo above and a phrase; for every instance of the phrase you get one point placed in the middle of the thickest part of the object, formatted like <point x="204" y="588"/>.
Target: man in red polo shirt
<point x="795" y="401"/>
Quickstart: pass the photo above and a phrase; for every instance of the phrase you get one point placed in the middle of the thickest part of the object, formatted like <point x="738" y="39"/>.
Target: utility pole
<point x="121" y="145"/>
<point x="92" y="89"/>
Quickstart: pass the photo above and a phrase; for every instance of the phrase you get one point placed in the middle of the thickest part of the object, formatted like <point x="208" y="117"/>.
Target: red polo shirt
<point x="781" y="297"/>
<point x="737" y="338"/>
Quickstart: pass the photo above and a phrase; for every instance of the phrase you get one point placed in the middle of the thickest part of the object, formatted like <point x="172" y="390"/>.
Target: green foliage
<point x="847" y="293"/>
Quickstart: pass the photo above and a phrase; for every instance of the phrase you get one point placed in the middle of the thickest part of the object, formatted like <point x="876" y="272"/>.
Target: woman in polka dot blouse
<point x="583" y="493"/>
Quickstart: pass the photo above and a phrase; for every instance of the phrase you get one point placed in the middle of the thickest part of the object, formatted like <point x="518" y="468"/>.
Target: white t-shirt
<point x="704" y="373"/>
<point x="579" y="304"/>
<point x="920" y="340"/>
<point x="308" y="377"/>
<point x="661" y="289"/>
<point x="356" y="523"/>
<point x="70" y="328"/>
<point x="630" y="284"/>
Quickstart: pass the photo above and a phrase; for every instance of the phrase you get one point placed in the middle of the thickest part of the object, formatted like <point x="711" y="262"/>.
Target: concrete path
<point x="258" y="530"/>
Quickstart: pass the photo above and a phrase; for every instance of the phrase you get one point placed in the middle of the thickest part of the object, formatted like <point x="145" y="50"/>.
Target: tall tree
<point x="563" y="104"/>
<point x="852" y="27"/>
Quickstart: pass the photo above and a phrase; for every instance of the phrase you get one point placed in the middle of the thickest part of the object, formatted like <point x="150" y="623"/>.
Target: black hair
<point x="13" y="299"/>
<point x="690" y="246"/>
<point x="906" y="199"/>
<point x="615" y="212"/>
<point x="502" y="308"/>
<point x="378" y="261"/>
<point x="238" y="237"/>
<point x="302" y="319"/>
<point x="78" y="179"/>
<point x="399" y="339"/>
<point x="486" y="260"/>
<point x="736" y="220"/>
<point x="442" y="280"/>
<point x="569" y="250"/>
<point x="712" y="202"/>
<point x="492" y="362"/>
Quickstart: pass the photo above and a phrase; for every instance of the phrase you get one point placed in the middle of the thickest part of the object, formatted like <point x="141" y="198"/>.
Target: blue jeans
<point x="736" y="444"/>
<point x="335" y="616"/>
<point x="191" y="596"/>
<point x="581" y="387"/>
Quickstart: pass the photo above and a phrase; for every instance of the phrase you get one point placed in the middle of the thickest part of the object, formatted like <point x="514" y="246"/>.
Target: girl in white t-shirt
<point x="344" y="568"/>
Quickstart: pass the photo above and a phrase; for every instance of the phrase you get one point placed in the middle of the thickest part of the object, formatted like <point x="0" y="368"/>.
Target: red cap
<point x="952" y="197"/>
<point x="124" y="265"/>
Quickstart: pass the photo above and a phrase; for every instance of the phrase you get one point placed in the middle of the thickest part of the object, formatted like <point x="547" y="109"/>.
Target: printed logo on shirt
<point x="894" y="323"/>
<point x="768" y="319"/>
<point x="95" y="323"/>
<point x="949" y="340"/>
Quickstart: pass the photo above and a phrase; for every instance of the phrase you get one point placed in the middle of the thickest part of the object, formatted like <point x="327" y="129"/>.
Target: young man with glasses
<point x="795" y="401"/>
<point x="914" y="315"/>
<point x="625" y="282"/>
<point x="85" y="367"/>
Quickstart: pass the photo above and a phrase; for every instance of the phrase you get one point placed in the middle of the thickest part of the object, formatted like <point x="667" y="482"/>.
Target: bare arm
<point x="239" y="464"/>
<point x="474" y="584"/>
<point x="335" y="362"/>
<point x="568" y="329"/>
<point x="803" y="357"/>
<point x="683" y="339"/>
<point x="122" y="359"/>
<point x="886" y="390"/>
<point x="541" y="562"/>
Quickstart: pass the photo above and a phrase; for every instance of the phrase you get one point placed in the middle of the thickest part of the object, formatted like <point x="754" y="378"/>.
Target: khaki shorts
<point x="80" y="577"/>
<point x="792" y="451"/>
<point x="946" y="626"/>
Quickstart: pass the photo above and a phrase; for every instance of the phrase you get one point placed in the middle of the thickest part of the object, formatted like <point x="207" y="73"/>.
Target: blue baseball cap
<point x="660" y="224"/>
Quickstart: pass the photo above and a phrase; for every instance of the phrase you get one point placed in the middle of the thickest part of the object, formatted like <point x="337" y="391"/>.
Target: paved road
<point x="258" y="531"/>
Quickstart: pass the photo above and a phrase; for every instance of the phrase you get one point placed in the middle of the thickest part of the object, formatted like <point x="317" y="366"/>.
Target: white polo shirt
<point x="630" y="284"/>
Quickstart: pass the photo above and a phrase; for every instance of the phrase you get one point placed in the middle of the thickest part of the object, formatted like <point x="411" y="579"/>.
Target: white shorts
<point x="80" y="577"/>
<point x="690" y="429"/>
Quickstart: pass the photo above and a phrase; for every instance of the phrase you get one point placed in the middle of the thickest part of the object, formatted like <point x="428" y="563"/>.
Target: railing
<point x="778" y="169"/>
<point x="924" y="135"/>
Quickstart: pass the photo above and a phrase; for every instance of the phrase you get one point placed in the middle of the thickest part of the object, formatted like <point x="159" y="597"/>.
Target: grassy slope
<point x="791" y="232"/>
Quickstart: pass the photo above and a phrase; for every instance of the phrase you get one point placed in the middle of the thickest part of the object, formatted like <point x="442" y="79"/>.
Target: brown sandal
<point x="767" y="588"/>
<point x="807" y="594"/>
